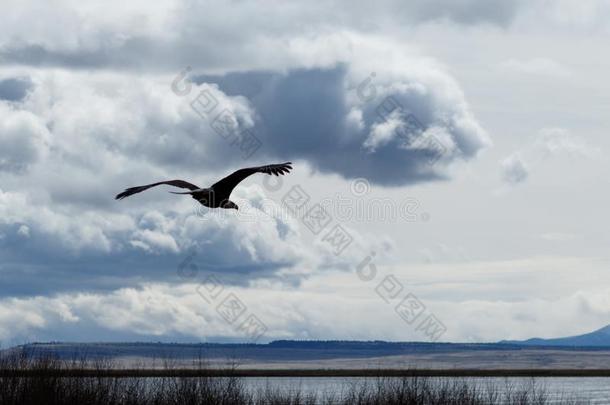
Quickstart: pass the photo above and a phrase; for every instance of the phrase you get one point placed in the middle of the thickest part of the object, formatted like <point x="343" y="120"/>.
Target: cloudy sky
<point x="448" y="163"/>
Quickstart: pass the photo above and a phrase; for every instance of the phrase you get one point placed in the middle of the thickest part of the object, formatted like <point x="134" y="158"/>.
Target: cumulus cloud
<point x="548" y="143"/>
<point x="514" y="169"/>
<point x="110" y="250"/>
<point x="475" y="311"/>
<point x="304" y="114"/>
<point x="14" y="88"/>
<point x="403" y="128"/>
<point x="171" y="33"/>
<point x="87" y="108"/>
<point x="556" y="141"/>
<point x="24" y="139"/>
<point x="91" y="135"/>
<point x="304" y="100"/>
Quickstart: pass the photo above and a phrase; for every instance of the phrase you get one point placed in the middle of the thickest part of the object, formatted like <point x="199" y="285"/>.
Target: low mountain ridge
<point x="598" y="338"/>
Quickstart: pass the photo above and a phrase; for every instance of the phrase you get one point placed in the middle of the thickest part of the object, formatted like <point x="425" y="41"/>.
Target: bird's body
<point x="216" y="196"/>
<point x="207" y="198"/>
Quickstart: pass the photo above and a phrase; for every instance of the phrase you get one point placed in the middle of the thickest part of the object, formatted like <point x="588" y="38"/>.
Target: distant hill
<point x="301" y="350"/>
<point x="598" y="338"/>
<point x="278" y="350"/>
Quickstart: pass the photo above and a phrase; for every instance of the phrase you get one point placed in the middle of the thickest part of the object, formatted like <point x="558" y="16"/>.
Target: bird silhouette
<point x="216" y="196"/>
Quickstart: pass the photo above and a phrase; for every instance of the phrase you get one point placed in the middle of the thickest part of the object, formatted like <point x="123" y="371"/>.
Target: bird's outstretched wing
<point x="139" y="189"/>
<point x="226" y="185"/>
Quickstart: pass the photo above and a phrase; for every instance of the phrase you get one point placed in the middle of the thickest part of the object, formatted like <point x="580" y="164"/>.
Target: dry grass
<point x="29" y="379"/>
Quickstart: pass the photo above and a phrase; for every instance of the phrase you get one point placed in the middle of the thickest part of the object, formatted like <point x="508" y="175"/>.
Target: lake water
<point x="593" y="390"/>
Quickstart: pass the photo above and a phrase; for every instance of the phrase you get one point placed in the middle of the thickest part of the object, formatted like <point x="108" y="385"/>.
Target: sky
<point x="449" y="178"/>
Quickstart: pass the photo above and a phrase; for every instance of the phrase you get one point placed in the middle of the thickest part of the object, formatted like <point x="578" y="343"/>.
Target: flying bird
<point x="216" y="196"/>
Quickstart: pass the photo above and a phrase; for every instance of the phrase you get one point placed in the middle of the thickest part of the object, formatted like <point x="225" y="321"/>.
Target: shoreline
<point x="305" y="373"/>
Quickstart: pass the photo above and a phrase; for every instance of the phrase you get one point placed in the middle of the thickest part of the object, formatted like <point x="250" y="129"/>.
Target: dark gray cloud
<point x="468" y="12"/>
<point x="141" y="53"/>
<point x="305" y="114"/>
<point x="39" y="259"/>
<point x="107" y="132"/>
<point x="37" y="272"/>
<point x="204" y="33"/>
<point x="14" y="88"/>
<point x="78" y="136"/>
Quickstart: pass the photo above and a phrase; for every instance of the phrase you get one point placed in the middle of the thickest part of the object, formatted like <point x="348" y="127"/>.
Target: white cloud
<point x="548" y="143"/>
<point x="487" y="310"/>
<point x="171" y="33"/>
<point x="24" y="231"/>
<point x="24" y="139"/>
<point x="514" y="169"/>
<point x="383" y="132"/>
<point x="86" y="109"/>
<point x="556" y="141"/>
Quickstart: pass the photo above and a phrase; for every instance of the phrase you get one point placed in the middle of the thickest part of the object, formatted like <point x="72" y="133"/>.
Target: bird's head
<point x="230" y="205"/>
